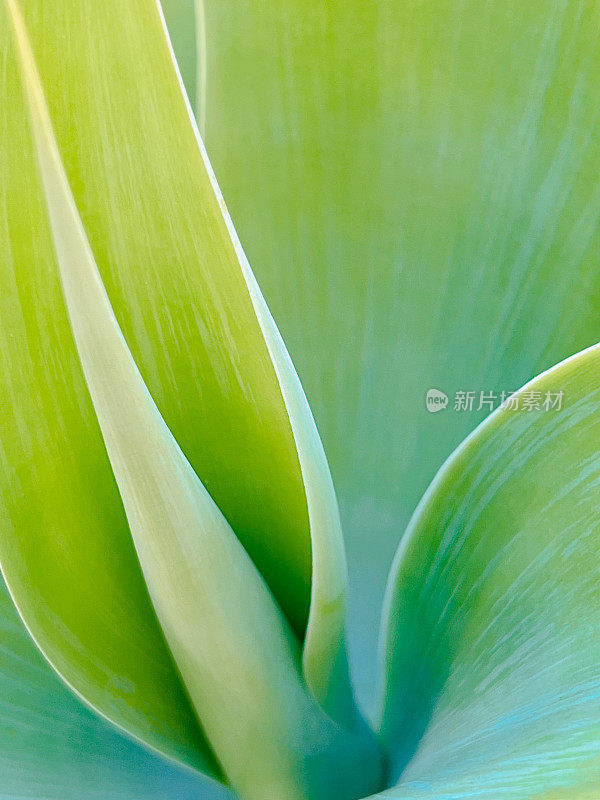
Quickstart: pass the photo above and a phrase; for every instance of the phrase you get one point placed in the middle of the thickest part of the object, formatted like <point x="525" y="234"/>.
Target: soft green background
<point x="415" y="184"/>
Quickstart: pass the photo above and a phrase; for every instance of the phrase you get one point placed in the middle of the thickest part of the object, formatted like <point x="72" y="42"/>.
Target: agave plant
<point x="416" y="186"/>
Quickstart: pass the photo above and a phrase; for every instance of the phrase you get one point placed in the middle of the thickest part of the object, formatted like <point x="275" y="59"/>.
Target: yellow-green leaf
<point x="65" y="547"/>
<point x="140" y="229"/>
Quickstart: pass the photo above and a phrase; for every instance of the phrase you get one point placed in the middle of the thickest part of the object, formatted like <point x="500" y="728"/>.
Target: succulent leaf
<point x="65" y="547"/>
<point x="53" y="747"/>
<point x="492" y="657"/>
<point x="239" y="660"/>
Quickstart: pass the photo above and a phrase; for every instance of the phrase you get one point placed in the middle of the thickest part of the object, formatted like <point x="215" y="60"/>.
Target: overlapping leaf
<point x="206" y="348"/>
<point x="52" y="747"/>
<point x="237" y="655"/>
<point x="65" y="545"/>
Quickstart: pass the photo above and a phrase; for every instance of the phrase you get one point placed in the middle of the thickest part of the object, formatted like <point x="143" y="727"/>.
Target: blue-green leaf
<point x="492" y="652"/>
<point x="51" y="747"/>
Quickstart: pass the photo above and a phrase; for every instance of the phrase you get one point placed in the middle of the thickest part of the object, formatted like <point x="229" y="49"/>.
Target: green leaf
<point x="236" y="653"/>
<point x="160" y="236"/>
<point x="237" y="656"/>
<point x="492" y="684"/>
<point x="180" y="16"/>
<point x="198" y="330"/>
<point x="51" y="747"/>
<point x="415" y="186"/>
<point x="65" y="548"/>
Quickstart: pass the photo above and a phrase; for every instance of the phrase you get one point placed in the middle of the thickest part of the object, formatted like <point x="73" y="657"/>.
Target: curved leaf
<point x="237" y="655"/>
<point x="493" y="611"/>
<point x="428" y="174"/>
<point x="65" y="547"/>
<point x="177" y="280"/>
<point x="51" y="747"/>
<point x="180" y="16"/>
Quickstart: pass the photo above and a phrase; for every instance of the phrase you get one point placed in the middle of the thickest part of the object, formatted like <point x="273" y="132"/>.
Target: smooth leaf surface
<point x="180" y="16"/>
<point x="428" y="173"/>
<point x="65" y="546"/>
<point x="51" y="747"/>
<point x="493" y="610"/>
<point x="179" y="286"/>
<point x="237" y="655"/>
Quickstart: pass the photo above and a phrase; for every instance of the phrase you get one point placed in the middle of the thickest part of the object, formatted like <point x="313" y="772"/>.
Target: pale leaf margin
<point x="68" y="233"/>
<point x="581" y="366"/>
<point x="324" y="650"/>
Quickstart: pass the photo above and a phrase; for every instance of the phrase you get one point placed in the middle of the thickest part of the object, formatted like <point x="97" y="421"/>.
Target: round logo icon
<point x="435" y="400"/>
